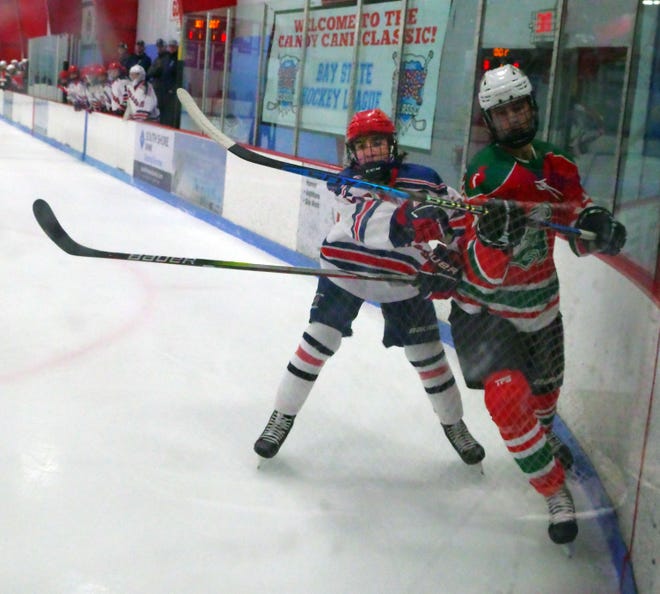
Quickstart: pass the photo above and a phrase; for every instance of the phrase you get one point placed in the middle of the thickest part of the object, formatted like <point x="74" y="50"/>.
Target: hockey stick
<point x="305" y="170"/>
<point x="251" y="156"/>
<point x="52" y="227"/>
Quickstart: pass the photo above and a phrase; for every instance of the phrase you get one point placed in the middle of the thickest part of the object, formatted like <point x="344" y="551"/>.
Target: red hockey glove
<point x="438" y="277"/>
<point x="419" y="223"/>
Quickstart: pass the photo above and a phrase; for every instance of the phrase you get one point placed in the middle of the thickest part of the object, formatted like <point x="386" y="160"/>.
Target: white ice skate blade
<point x="262" y="462"/>
<point x="568" y="549"/>
<point x="477" y="468"/>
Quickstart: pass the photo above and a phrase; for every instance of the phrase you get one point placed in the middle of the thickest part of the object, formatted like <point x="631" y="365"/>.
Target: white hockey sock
<point x="318" y="344"/>
<point x="430" y="362"/>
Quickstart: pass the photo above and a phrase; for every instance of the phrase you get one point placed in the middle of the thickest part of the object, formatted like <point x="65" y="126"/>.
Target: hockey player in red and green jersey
<point x="505" y="316"/>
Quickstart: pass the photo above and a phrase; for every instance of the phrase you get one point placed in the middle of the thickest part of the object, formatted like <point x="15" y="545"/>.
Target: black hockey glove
<point x="610" y="234"/>
<point x="418" y="223"/>
<point x="503" y="224"/>
<point x="438" y="277"/>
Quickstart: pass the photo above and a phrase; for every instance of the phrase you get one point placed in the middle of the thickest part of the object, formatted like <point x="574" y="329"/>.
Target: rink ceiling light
<point x="651" y="2"/>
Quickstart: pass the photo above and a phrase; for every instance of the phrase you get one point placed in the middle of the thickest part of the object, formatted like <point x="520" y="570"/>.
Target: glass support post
<point x="475" y="51"/>
<point x="261" y="65"/>
<point x="225" y="71"/>
<point x="625" y="96"/>
<point x="207" y="53"/>
<point x="553" y="67"/>
<point x="399" y="59"/>
<point x="299" y="80"/>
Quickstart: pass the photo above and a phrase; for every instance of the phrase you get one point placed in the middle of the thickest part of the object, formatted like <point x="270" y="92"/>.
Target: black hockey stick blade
<point x="52" y="227"/>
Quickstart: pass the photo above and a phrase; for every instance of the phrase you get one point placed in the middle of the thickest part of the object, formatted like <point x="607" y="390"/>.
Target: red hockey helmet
<point x="370" y="121"/>
<point x="74" y="72"/>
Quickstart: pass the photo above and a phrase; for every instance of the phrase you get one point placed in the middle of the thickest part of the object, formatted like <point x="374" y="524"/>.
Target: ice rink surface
<point x="131" y="395"/>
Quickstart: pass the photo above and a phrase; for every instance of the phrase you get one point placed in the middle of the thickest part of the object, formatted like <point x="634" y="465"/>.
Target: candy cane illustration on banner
<point x="411" y="90"/>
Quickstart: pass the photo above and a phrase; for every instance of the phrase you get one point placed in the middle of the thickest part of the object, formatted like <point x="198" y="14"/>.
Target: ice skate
<point x="560" y="450"/>
<point x="273" y="436"/>
<point x="563" y="526"/>
<point x="462" y="441"/>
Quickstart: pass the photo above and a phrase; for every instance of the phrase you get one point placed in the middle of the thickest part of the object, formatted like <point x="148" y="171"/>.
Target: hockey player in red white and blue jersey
<point x="141" y="101"/>
<point x="505" y="318"/>
<point x="375" y="234"/>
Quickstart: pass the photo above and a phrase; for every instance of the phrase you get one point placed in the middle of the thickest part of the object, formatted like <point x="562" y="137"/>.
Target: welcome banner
<point x="331" y="37"/>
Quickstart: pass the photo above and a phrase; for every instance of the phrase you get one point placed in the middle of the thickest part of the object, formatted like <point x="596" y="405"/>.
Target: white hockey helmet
<point x="503" y="85"/>
<point x="3" y="64"/>
<point x="137" y="73"/>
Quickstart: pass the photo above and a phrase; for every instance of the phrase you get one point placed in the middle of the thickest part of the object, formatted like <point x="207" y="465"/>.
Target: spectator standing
<point x="155" y="71"/>
<point x="139" y="57"/>
<point x="63" y="83"/>
<point x="123" y="57"/>
<point x="170" y="79"/>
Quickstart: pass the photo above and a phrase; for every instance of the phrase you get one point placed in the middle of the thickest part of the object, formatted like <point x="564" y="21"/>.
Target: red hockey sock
<point x="508" y="402"/>
<point x="545" y="407"/>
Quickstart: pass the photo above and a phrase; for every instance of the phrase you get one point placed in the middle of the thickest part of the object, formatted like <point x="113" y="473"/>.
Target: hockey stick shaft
<point x="47" y="220"/>
<point x="207" y="127"/>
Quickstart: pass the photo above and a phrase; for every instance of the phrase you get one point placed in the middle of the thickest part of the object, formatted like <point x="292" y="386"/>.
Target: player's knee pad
<point x="506" y="397"/>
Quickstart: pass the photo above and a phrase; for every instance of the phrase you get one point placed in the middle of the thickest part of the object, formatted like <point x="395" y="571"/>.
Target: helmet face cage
<point x="136" y="73"/>
<point x="503" y="85"/>
<point x="372" y="122"/>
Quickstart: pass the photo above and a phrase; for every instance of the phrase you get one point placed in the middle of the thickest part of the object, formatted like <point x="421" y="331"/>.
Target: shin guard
<point x="507" y="400"/>
<point x="318" y="344"/>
